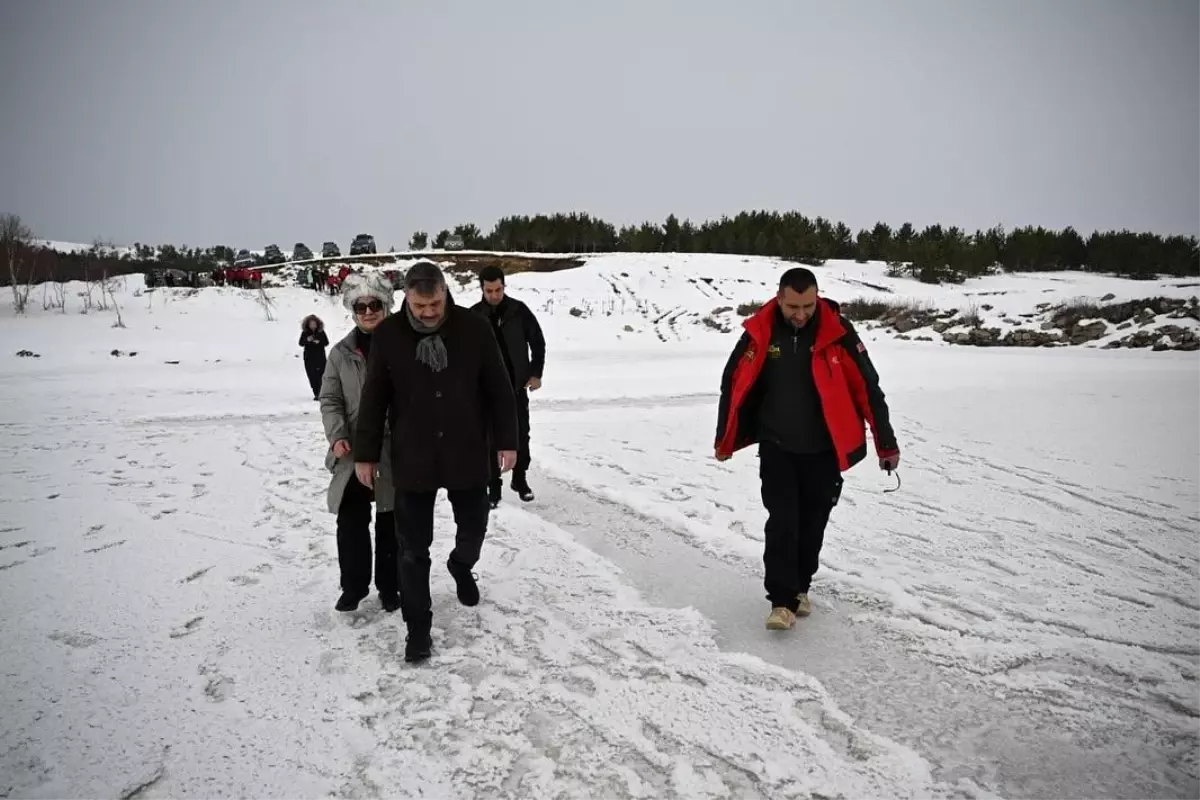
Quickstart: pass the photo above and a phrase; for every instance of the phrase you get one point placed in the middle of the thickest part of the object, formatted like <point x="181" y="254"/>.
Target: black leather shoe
<point x="417" y="647"/>
<point x="349" y="601"/>
<point x="468" y="589"/>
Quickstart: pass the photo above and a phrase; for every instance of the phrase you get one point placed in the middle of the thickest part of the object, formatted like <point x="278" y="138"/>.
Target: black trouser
<point x="415" y="528"/>
<point x="315" y="369"/>
<point x="354" y="543"/>
<point x="799" y="492"/>
<point x="523" y="457"/>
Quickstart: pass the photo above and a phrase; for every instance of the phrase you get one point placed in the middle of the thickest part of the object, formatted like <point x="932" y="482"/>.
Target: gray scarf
<point x="431" y="350"/>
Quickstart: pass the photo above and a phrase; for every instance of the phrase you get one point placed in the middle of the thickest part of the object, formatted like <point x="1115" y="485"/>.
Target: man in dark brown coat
<point x="436" y="374"/>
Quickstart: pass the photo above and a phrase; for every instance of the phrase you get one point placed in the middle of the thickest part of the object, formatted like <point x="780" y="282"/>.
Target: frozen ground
<point x="1021" y="619"/>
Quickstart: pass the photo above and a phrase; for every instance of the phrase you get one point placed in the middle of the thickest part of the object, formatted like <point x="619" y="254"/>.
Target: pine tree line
<point x="935" y="254"/>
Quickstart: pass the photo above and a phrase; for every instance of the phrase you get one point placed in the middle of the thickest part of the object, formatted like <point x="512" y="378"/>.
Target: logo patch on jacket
<point x="862" y="348"/>
<point x="773" y="351"/>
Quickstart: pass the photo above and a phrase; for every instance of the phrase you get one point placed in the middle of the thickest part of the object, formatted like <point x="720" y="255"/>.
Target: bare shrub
<point x="268" y="305"/>
<point x="746" y="309"/>
<point x="18" y="253"/>
<point x="106" y="288"/>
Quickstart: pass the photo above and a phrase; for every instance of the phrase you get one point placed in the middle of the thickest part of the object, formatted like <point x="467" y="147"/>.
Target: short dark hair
<point x="798" y="279"/>
<point x="424" y="278"/>
<point x="491" y="273"/>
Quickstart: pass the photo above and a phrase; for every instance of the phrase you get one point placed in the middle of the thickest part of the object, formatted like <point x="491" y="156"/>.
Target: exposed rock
<point x="1080" y="333"/>
<point x="27" y="354"/>
<point x="1107" y="297"/>
<point x="1023" y="337"/>
<point x="980" y="337"/>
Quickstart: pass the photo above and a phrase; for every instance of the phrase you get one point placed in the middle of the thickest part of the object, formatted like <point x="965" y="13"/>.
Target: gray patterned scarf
<point x="431" y="350"/>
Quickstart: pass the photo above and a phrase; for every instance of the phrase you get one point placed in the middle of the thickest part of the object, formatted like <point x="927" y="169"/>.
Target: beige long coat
<point x="341" y="389"/>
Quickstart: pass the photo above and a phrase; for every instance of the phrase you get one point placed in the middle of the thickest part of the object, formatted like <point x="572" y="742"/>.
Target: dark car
<point x="244" y="259"/>
<point x="363" y="243"/>
<point x="301" y="252"/>
<point x="273" y="255"/>
<point x="330" y="250"/>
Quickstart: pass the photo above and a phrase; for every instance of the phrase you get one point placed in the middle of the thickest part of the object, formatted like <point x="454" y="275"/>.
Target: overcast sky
<point x="247" y="122"/>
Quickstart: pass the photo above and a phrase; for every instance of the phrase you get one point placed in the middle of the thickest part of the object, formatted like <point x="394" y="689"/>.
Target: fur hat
<point x="372" y="284"/>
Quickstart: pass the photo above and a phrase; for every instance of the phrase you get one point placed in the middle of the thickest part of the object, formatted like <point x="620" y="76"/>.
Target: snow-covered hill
<point x="682" y="297"/>
<point x="1018" y="619"/>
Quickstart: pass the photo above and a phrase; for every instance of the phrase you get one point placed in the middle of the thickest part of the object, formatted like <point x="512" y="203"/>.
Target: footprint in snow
<point x="200" y="573"/>
<point x="76" y="639"/>
<point x="217" y="687"/>
<point x="330" y="664"/>
<point x="187" y="628"/>
<point x="106" y="546"/>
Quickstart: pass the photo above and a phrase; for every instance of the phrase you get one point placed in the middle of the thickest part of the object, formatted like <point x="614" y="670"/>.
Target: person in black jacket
<point x="524" y="349"/>
<point x="435" y="373"/>
<point x="314" y="341"/>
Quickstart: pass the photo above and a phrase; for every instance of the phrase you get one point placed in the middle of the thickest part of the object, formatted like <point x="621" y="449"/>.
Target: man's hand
<point x="365" y="473"/>
<point x="889" y="463"/>
<point x="717" y="454"/>
<point x="533" y="384"/>
<point x="341" y="448"/>
<point x="507" y="459"/>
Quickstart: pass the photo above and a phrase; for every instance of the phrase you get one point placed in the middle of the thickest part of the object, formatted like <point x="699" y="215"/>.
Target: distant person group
<point x="435" y="396"/>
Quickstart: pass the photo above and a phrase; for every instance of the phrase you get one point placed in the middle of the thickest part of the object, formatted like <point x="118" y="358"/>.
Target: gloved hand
<point x="889" y="463"/>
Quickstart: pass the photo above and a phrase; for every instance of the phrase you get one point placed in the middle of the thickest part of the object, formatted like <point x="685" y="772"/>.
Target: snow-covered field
<point x="1022" y="618"/>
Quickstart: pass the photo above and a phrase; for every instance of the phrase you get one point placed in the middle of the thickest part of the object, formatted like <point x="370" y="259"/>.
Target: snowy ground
<point x="1021" y="619"/>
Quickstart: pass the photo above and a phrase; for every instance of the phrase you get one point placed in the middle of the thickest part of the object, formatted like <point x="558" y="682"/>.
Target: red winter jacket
<point x="846" y="381"/>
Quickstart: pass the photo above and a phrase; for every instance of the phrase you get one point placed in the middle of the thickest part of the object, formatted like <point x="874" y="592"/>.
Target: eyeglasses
<point x="371" y="305"/>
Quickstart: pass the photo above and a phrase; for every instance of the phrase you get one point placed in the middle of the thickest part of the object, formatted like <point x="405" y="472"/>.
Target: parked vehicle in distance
<point x="301" y="252"/>
<point x="273" y="255"/>
<point x="363" y="243"/>
<point x="244" y="259"/>
<point x="330" y="250"/>
<point x="454" y="242"/>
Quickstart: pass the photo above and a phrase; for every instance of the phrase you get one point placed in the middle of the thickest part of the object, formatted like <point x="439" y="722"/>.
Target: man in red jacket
<point x="800" y="384"/>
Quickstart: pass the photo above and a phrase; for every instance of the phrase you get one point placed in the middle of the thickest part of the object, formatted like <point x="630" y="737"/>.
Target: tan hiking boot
<point x="780" y="619"/>
<point x="805" y="607"/>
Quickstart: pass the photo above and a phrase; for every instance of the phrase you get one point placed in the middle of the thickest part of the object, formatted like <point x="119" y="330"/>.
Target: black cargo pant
<point x="523" y="457"/>
<point x="354" y="543"/>
<point x="798" y="492"/>
<point x="414" y="517"/>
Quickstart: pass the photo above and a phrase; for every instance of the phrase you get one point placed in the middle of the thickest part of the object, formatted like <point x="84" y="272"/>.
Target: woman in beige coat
<point x="369" y="299"/>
